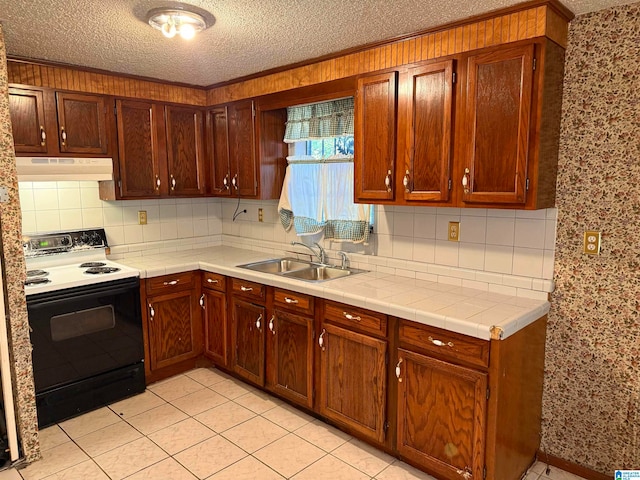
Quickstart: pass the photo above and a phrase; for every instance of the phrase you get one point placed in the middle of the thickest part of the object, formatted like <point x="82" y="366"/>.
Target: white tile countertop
<point x="462" y="310"/>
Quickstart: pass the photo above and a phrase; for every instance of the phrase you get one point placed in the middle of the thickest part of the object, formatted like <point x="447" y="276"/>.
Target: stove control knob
<point x="95" y="239"/>
<point x="84" y="239"/>
<point x="64" y="241"/>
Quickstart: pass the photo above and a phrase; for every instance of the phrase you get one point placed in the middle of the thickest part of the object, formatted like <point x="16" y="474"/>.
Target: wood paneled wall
<point x="71" y="78"/>
<point x="525" y="24"/>
<point x="530" y="20"/>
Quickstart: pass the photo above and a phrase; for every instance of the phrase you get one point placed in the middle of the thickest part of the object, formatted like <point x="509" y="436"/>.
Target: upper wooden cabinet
<point x="428" y="112"/>
<point x="479" y="129"/>
<point x="375" y="134"/>
<point x="59" y="123"/>
<point x="160" y="150"/>
<point x="497" y="120"/>
<point x="245" y="157"/>
<point x="185" y="152"/>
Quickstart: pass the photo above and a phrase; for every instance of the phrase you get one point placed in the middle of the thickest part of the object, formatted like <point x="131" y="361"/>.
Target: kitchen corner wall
<point x="591" y="404"/>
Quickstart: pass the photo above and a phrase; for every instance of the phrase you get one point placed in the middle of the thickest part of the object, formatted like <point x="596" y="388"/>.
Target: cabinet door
<point x="244" y="169"/>
<point x="375" y="134"/>
<point x="498" y="111"/>
<point x="174" y="328"/>
<point x="290" y="357"/>
<point x="248" y="340"/>
<point x="429" y="106"/>
<point x="185" y="155"/>
<point x="82" y="123"/>
<point x="215" y="325"/>
<point x="218" y="152"/>
<point x="139" y="148"/>
<point x="353" y="382"/>
<point x="441" y="415"/>
<point x="26" y="108"/>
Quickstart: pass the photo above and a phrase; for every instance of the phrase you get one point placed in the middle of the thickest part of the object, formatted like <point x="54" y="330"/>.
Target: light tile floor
<point x="206" y="425"/>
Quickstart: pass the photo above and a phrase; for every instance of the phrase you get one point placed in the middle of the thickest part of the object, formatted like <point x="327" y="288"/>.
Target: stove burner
<point x="92" y="264"/>
<point x="101" y="270"/>
<point x="36" y="273"/>
<point x="36" y="281"/>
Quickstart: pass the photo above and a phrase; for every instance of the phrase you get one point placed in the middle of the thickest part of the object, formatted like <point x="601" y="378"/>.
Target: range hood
<point x="51" y="169"/>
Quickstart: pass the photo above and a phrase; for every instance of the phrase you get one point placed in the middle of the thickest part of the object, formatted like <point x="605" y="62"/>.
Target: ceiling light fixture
<point x="177" y="20"/>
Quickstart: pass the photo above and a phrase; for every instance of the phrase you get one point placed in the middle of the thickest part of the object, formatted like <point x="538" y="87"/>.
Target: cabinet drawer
<point x="213" y="281"/>
<point x="248" y="289"/>
<point x="168" y="283"/>
<point x="297" y="302"/>
<point x="354" y="317"/>
<point x="444" y="344"/>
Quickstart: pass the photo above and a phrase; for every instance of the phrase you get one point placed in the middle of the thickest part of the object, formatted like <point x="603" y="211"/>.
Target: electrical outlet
<point x="454" y="232"/>
<point x="142" y="217"/>
<point x="260" y="215"/>
<point x="592" y="242"/>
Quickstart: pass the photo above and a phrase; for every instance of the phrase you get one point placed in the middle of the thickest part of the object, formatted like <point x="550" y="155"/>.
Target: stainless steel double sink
<point x="301" y="270"/>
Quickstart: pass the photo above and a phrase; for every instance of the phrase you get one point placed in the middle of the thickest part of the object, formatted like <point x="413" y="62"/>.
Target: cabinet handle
<point x="152" y="312"/>
<point x="291" y="300"/>
<point x="234" y="181"/>
<point x="273" y="317"/>
<point x="171" y="283"/>
<point x="465" y="180"/>
<point x="246" y="289"/>
<point x="466" y="473"/>
<point x="259" y="322"/>
<point x="321" y="339"/>
<point x="211" y="280"/>
<point x="440" y="343"/>
<point x="348" y="316"/>
<point x="173" y="182"/>
<point x="405" y="182"/>
<point x="398" y="370"/>
<point x="157" y="182"/>
<point x="43" y="136"/>
<point x="225" y="182"/>
<point x="63" y="136"/>
<point x="202" y="301"/>
<point x="387" y="181"/>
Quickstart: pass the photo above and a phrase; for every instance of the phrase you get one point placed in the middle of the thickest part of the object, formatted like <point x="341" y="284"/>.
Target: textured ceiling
<point x="249" y="36"/>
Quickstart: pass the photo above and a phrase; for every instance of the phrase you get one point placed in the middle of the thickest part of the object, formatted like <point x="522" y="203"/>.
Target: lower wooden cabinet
<point x="290" y="356"/>
<point x="353" y="380"/>
<point x="247" y="328"/>
<point x="173" y="320"/>
<point x="441" y="415"/>
<point x="214" y="304"/>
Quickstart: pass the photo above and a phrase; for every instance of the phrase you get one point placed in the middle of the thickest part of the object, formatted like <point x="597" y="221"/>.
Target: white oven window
<point x="83" y="322"/>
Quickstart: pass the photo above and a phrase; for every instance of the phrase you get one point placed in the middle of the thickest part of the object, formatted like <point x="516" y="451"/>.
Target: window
<point x="317" y="195"/>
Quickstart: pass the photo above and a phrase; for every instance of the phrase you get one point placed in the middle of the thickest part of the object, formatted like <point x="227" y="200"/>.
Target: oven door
<point x="80" y="333"/>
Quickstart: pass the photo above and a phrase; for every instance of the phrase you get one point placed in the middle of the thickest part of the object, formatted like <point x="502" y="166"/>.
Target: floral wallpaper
<point x="591" y="403"/>
<point x="14" y="275"/>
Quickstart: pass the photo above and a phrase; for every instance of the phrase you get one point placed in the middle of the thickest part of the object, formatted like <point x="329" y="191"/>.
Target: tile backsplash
<point x="510" y="248"/>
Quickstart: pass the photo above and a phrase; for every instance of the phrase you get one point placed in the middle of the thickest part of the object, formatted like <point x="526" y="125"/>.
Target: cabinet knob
<point x="387" y="181"/>
<point x="321" y="339"/>
<point x="259" y="322"/>
<point x="152" y="312"/>
<point x="202" y="301"/>
<point x="171" y="283"/>
<point x="405" y="182"/>
<point x="43" y="136"/>
<point x="157" y="182"/>
<point x="234" y="181"/>
<point x="465" y="180"/>
<point x="63" y="136"/>
<point x="225" y="182"/>
<point x="246" y="289"/>
<point x="291" y="300"/>
<point x="173" y="182"/>
<point x="398" y="372"/>
<point x="271" y="327"/>
<point x="211" y="280"/>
